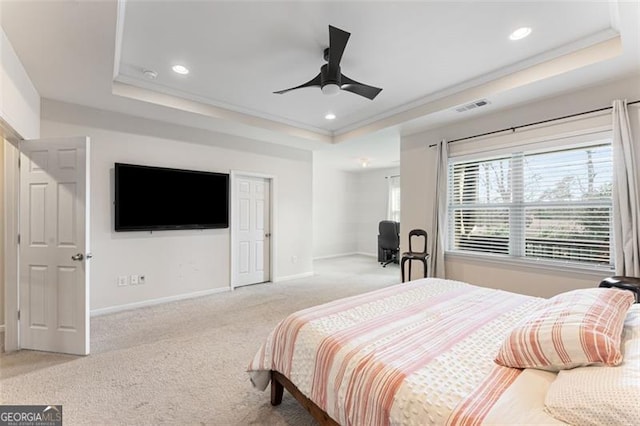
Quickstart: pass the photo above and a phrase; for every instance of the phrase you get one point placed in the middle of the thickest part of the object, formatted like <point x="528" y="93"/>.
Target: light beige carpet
<point x="183" y="362"/>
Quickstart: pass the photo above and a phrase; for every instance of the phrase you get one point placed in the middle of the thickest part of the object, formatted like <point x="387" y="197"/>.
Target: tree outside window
<point x="553" y="205"/>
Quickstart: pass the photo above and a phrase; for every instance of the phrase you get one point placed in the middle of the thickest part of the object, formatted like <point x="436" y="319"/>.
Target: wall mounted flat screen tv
<point x="157" y="198"/>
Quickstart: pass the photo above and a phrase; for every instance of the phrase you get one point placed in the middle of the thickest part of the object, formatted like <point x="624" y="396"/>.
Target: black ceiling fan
<point x="331" y="80"/>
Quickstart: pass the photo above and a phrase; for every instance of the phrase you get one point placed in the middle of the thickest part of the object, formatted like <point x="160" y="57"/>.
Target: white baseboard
<point x="354" y="253"/>
<point x="332" y="256"/>
<point x="293" y="277"/>
<point x="2" y="329"/>
<point x="151" y="302"/>
<point x="368" y="254"/>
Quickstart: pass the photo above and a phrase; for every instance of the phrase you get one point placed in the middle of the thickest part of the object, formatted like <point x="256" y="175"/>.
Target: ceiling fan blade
<point x="353" y="86"/>
<point x="313" y="82"/>
<point x="337" y="43"/>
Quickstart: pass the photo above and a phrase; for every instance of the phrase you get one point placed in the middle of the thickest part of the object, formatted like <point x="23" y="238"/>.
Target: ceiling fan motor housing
<point x="328" y="77"/>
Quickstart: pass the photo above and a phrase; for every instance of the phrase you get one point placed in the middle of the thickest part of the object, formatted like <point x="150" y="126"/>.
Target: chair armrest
<point x="626" y="283"/>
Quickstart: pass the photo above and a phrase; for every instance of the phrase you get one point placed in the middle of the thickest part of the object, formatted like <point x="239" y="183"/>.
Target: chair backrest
<point x="389" y="234"/>
<point x="418" y="233"/>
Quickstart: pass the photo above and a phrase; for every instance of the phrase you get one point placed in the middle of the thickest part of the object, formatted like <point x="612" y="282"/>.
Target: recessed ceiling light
<point x="364" y="162"/>
<point x="330" y="116"/>
<point x="180" y="69"/>
<point x="520" y="33"/>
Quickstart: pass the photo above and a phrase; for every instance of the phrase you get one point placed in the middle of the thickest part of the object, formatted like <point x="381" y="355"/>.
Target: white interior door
<point x="252" y="228"/>
<point x="54" y="245"/>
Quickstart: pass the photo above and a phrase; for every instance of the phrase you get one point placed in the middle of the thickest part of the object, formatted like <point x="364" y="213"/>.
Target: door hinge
<point x="19" y="162"/>
<point x="18" y="314"/>
<point x="18" y="239"/>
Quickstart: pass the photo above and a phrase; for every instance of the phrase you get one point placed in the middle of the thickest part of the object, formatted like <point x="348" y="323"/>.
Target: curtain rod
<point x="513" y="129"/>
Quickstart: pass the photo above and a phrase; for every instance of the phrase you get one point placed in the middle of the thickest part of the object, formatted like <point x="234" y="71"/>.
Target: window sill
<point x="557" y="267"/>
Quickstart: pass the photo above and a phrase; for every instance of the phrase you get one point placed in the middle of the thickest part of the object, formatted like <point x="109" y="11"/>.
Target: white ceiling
<point x="428" y="57"/>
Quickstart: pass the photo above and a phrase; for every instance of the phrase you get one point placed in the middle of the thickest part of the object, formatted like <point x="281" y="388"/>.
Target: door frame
<point x="235" y="174"/>
<point x="11" y="202"/>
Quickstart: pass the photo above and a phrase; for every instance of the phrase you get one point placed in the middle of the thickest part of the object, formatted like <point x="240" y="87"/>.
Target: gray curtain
<point x="438" y="228"/>
<point x="625" y="195"/>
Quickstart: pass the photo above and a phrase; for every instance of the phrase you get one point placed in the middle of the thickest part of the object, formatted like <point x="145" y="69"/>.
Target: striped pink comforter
<point x="416" y="353"/>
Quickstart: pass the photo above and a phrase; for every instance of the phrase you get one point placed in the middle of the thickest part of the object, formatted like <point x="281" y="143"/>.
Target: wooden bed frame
<point x="279" y="383"/>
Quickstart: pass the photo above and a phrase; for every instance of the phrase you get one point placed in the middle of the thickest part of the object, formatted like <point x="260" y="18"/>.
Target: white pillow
<point x="604" y="395"/>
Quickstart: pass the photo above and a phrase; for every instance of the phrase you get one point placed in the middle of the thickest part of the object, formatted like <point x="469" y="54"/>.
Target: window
<point x="551" y="205"/>
<point x="393" y="202"/>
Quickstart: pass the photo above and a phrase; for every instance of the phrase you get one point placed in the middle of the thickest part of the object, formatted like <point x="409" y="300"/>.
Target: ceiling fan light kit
<point x="331" y="80"/>
<point x="330" y="89"/>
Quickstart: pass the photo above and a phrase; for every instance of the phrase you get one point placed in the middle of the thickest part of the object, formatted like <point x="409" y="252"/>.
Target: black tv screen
<point x="157" y="198"/>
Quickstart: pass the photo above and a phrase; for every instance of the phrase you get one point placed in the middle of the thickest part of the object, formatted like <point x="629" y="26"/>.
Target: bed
<point x="425" y="353"/>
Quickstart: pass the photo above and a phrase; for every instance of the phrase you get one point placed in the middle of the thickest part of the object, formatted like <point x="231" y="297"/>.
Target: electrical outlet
<point x="122" y="280"/>
<point x="134" y="280"/>
<point x="294" y="259"/>
<point x="142" y="279"/>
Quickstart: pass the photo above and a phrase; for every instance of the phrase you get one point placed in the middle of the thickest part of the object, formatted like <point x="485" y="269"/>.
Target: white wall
<point x="335" y="229"/>
<point x="178" y="262"/>
<point x="2" y="257"/>
<point x="371" y="206"/>
<point x="347" y="207"/>
<point x="417" y="169"/>
<point x="19" y="100"/>
<point x="19" y="117"/>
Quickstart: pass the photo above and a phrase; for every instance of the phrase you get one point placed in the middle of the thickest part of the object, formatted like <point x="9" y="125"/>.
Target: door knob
<point x="267" y="234"/>
<point x="77" y="257"/>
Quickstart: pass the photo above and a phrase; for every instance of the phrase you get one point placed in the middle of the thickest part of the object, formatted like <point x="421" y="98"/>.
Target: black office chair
<point x="389" y="241"/>
<point x="412" y="255"/>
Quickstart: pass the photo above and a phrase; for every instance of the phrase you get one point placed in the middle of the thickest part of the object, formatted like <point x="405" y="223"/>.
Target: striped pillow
<point x="577" y="328"/>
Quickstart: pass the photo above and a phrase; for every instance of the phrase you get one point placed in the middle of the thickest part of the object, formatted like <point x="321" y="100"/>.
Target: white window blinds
<point x="551" y="205"/>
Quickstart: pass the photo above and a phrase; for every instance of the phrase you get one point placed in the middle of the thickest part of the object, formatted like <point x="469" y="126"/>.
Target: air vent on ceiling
<point x="473" y="105"/>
